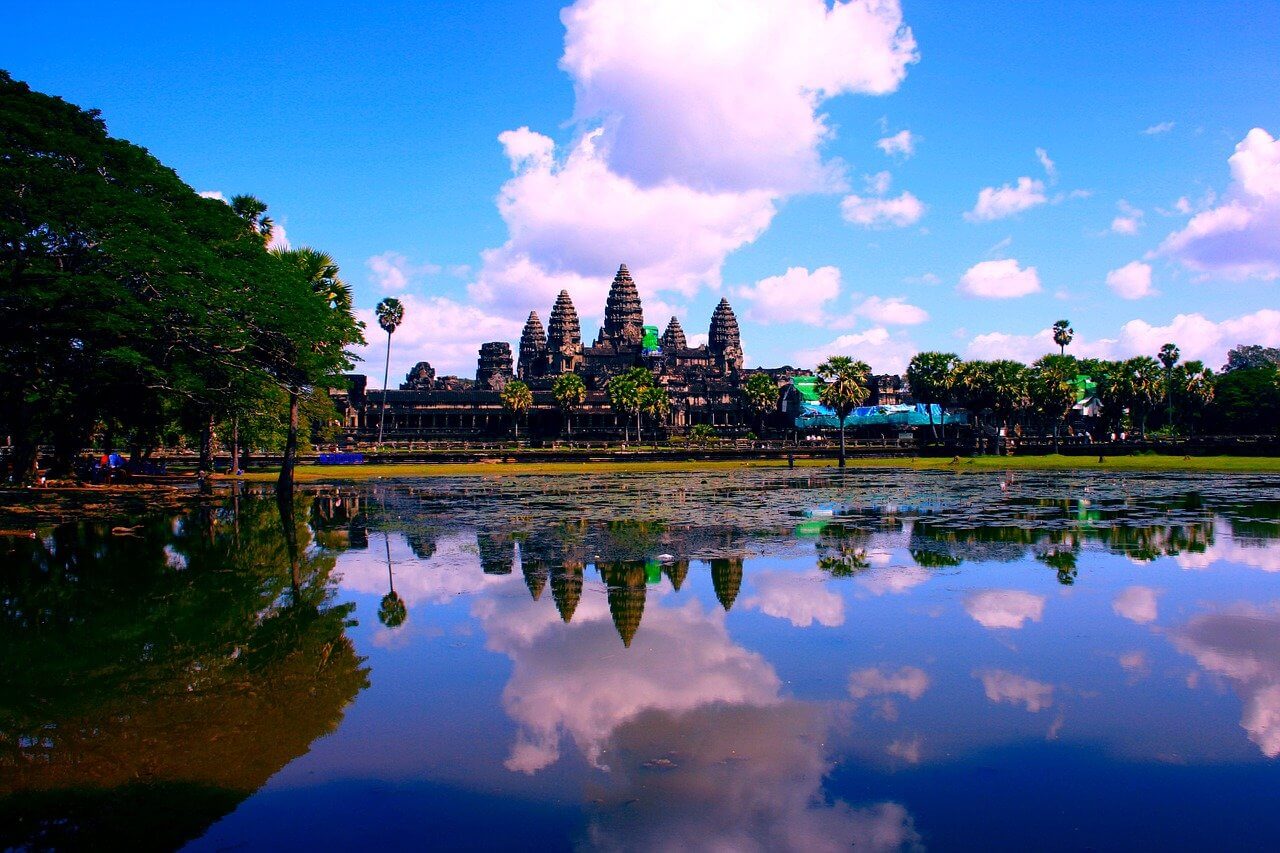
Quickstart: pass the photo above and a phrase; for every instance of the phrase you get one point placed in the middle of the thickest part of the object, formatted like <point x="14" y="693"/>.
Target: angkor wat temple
<point x="702" y="382"/>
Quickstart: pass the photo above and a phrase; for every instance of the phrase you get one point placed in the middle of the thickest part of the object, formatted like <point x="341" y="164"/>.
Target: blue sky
<point x="730" y="148"/>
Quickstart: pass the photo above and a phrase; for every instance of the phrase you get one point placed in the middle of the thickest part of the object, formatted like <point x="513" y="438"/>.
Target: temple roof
<point x="673" y="338"/>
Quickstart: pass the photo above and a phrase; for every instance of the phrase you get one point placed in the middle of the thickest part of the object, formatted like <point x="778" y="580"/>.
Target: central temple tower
<point x="623" y="317"/>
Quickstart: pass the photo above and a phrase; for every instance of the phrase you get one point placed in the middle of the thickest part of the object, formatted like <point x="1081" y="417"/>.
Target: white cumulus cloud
<point x="1000" y="279"/>
<point x="797" y="295"/>
<point x="1131" y="281"/>
<point x="1240" y="238"/>
<point x="1196" y="335"/>
<point x="870" y="212"/>
<point x="726" y="97"/>
<point x="902" y="143"/>
<point x="885" y="351"/>
<point x="893" y="311"/>
<point x="1007" y="200"/>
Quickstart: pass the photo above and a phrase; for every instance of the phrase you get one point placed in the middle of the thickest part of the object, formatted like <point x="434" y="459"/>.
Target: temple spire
<point x="673" y="338"/>
<point x="564" y="336"/>
<point x="724" y="339"/>
<point x="533" y="349"/>
<point x="623" y="317"/>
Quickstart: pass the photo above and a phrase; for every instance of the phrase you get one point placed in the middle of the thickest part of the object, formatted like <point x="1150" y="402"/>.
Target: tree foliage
<point x="131" y="308"/>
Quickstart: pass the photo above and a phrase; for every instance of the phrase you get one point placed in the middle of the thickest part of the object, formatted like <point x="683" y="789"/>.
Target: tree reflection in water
<point x="156" y="679"/>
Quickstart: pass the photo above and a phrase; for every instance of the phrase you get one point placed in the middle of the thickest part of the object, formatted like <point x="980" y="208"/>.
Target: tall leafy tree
<point x="570" y="393"/>
<point x="843" y="385"/>
<point x="517" y="399"/>
<point x="932" y="376"/>
<point x="390" y="313"/>
<point x="760" y="394"/>
<point x="1063" y="335"/>
<point x="126" y="297"/>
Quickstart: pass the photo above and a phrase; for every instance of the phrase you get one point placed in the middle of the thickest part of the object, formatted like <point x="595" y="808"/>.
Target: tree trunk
<point x="842" y="441"/>
<point x="235" y="444"/>
<point x="1055" y="437"/>
<point x="206" y="445"/>
<point x="386" y="370"/>
<point x="284" y="485"/>
<point x="639" y="432"/>
<point x="928" y="407"/>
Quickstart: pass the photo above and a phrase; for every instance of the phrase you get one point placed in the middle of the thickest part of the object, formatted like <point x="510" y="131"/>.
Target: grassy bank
<point x="340" y="473"/>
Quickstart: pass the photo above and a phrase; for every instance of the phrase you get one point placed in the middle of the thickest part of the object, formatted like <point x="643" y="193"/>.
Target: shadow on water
<point x="156" y="676"/>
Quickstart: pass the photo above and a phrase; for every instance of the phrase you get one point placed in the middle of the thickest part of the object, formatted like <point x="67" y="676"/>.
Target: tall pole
<point x="386" y="370"/>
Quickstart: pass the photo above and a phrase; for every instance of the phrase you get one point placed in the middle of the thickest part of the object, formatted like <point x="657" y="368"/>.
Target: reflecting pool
<point x="765" y="660"/>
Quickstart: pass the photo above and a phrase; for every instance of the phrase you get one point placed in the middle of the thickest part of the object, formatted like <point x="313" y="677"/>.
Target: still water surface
<point x="763" y="660"/>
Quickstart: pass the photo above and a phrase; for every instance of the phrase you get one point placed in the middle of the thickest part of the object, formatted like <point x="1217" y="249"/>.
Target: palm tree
<point x="1141" y="387"/>
<point x="253" y="211"/>
<point x="570" y="393"/>
<point x="760" y="393"/>
<point x="1053" y="389"/>
<point x="390" y="315"/>
<point x="931" y="376"/>
<point x="1169" y="356"/>
<point x="655" y="404"/>
<point x="842" y="385"/>
<point x="517" y="399"/>
<point x="1062" y="335"/>
<point x="1196" y="386"/>
<point x="624" y="394"/>
<point x="392" y="610"/>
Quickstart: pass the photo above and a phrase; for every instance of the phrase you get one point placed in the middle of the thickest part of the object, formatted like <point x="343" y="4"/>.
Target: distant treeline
<point x="1130" y="395"/>
<point x="136" y="314"/>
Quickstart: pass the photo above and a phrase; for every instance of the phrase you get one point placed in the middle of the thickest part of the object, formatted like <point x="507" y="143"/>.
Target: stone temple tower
<point x="494" y="367"/>
<point x="533" y="349"/>
<point x="724" y="339"/>
<point x="673" y="338"/>
<point x="564" y="336"/>
<point x="623" y="318"/>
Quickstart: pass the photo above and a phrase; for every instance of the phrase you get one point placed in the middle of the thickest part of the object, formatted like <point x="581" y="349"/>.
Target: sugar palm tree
<point x="842" y="385"/>
<point x="1062" y="335"/>
<point x="570" y="393"/>
<point x="517" y="399"/>
<point x="253" y="211"/>
<point x="624" y="394"/>
<point x="1169" y="356"/>
<point x="931" y="376"/>
<point x="655" y="404"/>
<point x="1053" y="389"/>
<point x="392" y="610"/>
<point x="390" y="313"/>
<point x="760" y="393"/>
<point x="1141" y="388"/>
